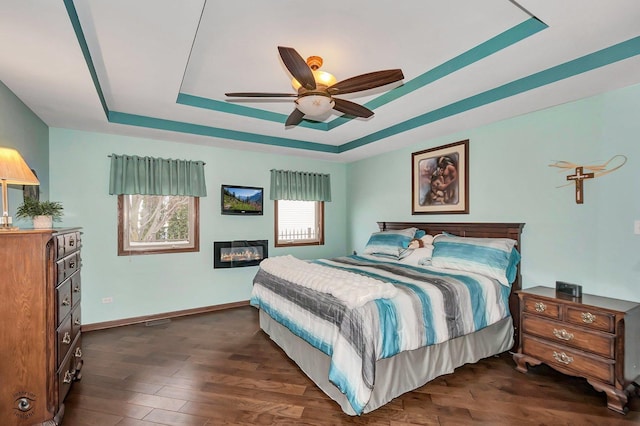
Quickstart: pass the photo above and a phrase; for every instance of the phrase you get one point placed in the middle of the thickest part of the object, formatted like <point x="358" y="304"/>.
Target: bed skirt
<point x="401" y="373"/>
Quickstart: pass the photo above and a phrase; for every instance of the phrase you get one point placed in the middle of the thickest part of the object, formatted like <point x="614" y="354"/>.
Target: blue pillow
<point x="512" y="269"/>
<point x="492" y="257"/>
<point x="390" y="243"/>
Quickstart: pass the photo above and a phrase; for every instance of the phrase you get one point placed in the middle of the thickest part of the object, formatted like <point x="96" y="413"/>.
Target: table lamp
<point x="13" y="170"/>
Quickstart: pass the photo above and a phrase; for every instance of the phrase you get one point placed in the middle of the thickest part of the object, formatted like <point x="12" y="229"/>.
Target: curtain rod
<point x="203" y="163"/>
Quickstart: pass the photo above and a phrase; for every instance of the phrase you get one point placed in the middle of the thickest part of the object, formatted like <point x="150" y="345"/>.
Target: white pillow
<point x="427" y="239"/>
<point x="418" y="257"/>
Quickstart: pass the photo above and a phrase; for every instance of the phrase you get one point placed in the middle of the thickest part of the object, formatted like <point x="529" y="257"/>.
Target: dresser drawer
<point x="64" y="339"/>
<point x="69" y="371"/>
<point x="76" y="322"/>
<point x="76" y="288"/>
<point x="571" y="360"/>
<point x="67" y="266"/>
<point x="598" y="320"/>
<point x="566" y="334"/>
<point x="543" y="308"/>
<point x="67" y="243"/>
<point x="76" y="353"/>
<point x="66" y="375"/>
<point x="63" y="300"/>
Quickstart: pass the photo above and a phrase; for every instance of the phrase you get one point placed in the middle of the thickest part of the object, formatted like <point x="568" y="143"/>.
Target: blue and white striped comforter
<point x="432" y="305"/>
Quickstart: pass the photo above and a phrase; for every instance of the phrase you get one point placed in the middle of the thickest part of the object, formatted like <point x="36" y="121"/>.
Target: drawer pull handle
<point x="540" y="307"/>
<point x="66" y="338"/>
<point x="588" y="317"/>
<point x="72" y="264"/>
<point x="77" y="321"/>
<point x="68" y="377"/>
<point x="72" y="242"/>
<point x="66" y="301"/>
<point x="78" y="353"/>
<point x="562" y="357"/>
<point x="562" y="334"/>
<point x="76" y="289"/>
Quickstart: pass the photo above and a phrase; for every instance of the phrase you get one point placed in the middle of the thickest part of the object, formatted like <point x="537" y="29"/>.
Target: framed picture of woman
<point x="440" y="179"/>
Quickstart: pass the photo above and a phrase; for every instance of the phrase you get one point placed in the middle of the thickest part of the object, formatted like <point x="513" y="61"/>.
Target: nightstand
<point x="594" y="337"/>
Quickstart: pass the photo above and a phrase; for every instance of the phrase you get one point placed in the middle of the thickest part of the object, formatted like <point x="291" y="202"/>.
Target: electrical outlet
<point x="636" y="227"/>
<point x="107" y="299"/>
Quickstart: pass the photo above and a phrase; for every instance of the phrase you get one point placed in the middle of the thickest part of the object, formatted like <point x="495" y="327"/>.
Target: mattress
<point x="434" y="313"/>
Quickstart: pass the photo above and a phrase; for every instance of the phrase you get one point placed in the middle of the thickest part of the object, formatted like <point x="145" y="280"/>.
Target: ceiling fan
<point x="316" y="89"/>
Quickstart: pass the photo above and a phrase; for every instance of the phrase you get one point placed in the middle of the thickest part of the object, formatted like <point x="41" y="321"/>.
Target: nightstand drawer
<point x="591" y="318"/>
<point x="543" y="308"/>
<point x="572" y="361"/>
<point x="565" y="334"/>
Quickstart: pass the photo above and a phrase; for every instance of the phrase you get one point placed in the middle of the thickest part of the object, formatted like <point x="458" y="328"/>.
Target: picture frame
<point x="440" y="179"/>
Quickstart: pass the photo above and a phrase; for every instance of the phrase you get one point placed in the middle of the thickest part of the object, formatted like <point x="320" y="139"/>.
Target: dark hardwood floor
<point x="220" y="368"/>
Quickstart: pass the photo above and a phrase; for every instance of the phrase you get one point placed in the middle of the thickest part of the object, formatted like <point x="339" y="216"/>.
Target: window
<point x="299" y="223"/>
<point x="157" y="224"/>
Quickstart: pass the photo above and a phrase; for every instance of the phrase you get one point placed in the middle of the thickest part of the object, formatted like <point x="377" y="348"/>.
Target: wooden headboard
<point x="480" y="230"/>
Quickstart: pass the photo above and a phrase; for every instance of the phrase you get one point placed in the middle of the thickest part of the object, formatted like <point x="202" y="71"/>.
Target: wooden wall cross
<point x="595" y="171"/>
<point x="579" y="178"/>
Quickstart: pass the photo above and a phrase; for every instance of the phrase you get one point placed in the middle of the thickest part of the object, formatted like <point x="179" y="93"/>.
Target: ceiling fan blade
<point x="351" y="108"/>
<point x="260" y="95"/>
<point x="297" y="67"/>
<point x="366" y="81"/>
<point x="294" y="118"/>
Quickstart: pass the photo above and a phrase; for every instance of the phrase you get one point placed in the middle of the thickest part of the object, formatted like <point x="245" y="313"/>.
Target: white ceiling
<point x="166" y="64"/>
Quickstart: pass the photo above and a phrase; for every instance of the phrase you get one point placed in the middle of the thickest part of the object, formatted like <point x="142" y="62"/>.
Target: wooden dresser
<point x="594" y="337"/>
<point x="40" y="339"/>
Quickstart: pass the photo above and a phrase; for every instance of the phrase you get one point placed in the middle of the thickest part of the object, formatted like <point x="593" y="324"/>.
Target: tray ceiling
<point x="160" y="68"/>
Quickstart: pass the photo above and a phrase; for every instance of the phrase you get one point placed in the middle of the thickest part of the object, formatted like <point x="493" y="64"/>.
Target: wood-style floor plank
<point x="221" y="369"/>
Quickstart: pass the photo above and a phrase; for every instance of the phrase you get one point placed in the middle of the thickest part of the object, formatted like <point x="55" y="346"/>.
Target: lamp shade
<point x="322" y="78"/>
<point x="14" y="170"/>
<point x="314" y="105"/>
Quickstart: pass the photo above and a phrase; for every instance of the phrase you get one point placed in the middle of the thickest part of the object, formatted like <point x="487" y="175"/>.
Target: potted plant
<point x="43" y="213"/>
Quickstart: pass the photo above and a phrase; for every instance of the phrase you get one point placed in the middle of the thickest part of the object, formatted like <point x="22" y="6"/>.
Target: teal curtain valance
<point x="300" y="186"/>
<point x="131" y="174"/>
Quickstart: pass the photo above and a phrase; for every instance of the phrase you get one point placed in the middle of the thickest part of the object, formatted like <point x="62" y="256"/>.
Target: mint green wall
<point x="21" y="129"/>
<point x="591" y="244"/>
<point x="151" y="284"/>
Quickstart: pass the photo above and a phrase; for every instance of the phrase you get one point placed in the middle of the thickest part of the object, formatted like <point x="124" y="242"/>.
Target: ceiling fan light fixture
<point x="322" y="78"/>
<point x="314" y="105"/>
<point x="316" y="88"/>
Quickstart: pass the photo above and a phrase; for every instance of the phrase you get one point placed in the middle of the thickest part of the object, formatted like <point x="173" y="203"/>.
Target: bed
<point x="344" y="321"/>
